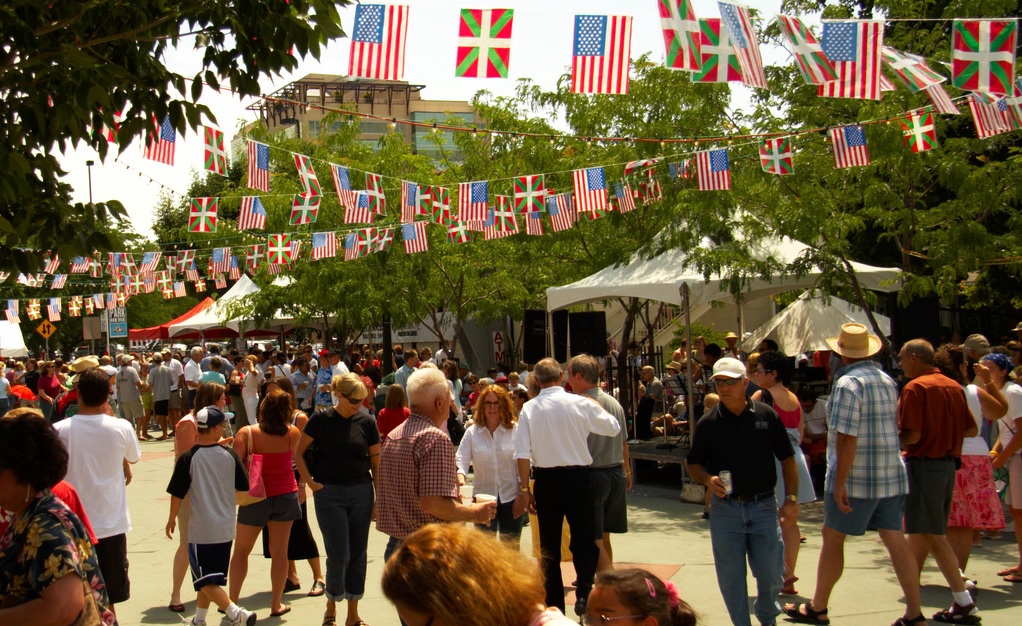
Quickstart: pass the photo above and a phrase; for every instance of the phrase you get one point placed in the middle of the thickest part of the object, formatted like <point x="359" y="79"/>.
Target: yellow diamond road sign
<point x="46" y="329"/>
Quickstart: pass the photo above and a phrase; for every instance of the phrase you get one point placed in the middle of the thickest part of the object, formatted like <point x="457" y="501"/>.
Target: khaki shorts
<point x="132" y="411"/>
<point x="175" y="400"/>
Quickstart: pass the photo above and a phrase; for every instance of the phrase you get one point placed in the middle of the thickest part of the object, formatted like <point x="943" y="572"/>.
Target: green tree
<point x="66" y="68"/>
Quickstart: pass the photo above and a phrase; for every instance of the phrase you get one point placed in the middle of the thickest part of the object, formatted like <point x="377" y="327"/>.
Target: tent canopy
<point x="161" y="331"/>
<point x="217" y="315"/>
<point x="12" y="342"/>
<point x="806" y="324"/>
<point x="660" y="278"/>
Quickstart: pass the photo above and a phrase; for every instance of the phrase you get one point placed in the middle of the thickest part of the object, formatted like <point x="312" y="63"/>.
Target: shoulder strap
<point x="766" y="397"/>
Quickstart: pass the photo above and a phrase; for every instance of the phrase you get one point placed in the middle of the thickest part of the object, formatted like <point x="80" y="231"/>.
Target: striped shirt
<point x="864" y="405"/>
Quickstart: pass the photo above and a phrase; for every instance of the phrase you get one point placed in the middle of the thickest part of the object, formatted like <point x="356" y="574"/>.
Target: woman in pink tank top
<point x="275" y="439"/>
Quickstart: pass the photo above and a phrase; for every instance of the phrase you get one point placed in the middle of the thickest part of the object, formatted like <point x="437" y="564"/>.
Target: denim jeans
<point x="747" y="530"/>
<point x="345" y="513"/>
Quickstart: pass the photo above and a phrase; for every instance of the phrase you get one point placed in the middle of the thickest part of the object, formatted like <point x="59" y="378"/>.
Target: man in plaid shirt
<point x="418" y="474"/>
<point x="866" y="479"/>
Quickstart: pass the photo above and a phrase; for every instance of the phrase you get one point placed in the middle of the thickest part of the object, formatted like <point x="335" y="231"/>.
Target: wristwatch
<point x="792" y="498"/>
<point x="523" y="489"/>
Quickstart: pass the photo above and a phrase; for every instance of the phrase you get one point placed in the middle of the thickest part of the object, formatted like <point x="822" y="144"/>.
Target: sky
<point x="541" y="50"/>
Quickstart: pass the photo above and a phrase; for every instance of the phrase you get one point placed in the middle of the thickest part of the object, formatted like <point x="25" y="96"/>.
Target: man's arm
<point x="626" y="463"/>
<point x="703" y="477"/>
<point x="452" y="510"/>
<point x="846" y="445"/>
<point x="789" y="469"/>
<point x="524" y="502"/>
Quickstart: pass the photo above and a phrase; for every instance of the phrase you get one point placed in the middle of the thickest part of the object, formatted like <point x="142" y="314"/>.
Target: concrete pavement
<point x="663" y="533"/>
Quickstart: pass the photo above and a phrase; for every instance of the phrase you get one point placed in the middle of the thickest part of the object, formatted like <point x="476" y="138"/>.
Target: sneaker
<point x="959" y="614"/>
<point x="245" y="618"/>
<point x="580" y="607"/>
<point x="201" y="622"/>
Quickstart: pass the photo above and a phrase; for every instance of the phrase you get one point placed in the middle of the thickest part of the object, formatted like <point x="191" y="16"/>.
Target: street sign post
<point x="46" y="329"/>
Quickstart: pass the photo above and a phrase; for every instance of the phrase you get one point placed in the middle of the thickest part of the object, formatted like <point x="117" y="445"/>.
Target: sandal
<point x="290" y="585"/>
<point x="318" y="589"/>
<point x="958" y="614"/>
<point x="904" y="621"/>
<point x="177" y="608"/>
<point x="329" y="620"/>
<point x="795" y="612"/>
<point x="283" y="611"/>
<point x="789" y="587"/>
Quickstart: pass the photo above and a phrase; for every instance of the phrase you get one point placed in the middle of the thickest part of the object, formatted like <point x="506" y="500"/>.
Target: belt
<point x="756" y="497"/>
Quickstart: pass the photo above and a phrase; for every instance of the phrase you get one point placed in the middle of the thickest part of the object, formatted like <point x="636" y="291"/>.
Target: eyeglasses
<point x="353" y="400"/>
<point x="603" y="619"/>
<point x="727" y="382"/>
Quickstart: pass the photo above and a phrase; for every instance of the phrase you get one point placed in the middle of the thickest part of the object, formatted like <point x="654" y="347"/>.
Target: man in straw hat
<point x="742" y="437"/>
<point x="866" y="481"/>
<point x="935" y="419"/>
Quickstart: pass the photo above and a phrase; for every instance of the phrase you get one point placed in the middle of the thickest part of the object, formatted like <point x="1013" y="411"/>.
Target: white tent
<point x="12" y="342"/>
<point x="218" y="315"/>
<point x="660" y="278"/>
<point x="806" y="323"/>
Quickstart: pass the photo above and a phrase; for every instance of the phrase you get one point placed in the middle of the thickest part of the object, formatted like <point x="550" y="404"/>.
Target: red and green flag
<point x="530" y="194"/>
<point x="920" y="133"/>
<point x="310" y="182"/>
<point x="278" y="249"/>
<point x="377" y="200"/>
<point x="776" y="156"/>
<point x="484" y="43"/>
<point x="202" y="215"/>
<point x="913" y="71"/>
<point x="304" y="209"/>
<point x="719" y="63"/>
<point x="214" y="155"/>
<point x="681" y="34"/>
<point x="440" y="212"/>
<point x="983" y="55"/>
<point x="814" y="65"/>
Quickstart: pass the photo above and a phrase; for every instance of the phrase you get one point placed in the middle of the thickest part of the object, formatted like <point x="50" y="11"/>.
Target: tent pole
<point x="689" y="404"/>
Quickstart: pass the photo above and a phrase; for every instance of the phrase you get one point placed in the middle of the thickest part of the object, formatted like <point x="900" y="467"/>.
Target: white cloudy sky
<point x="541" y="50"/>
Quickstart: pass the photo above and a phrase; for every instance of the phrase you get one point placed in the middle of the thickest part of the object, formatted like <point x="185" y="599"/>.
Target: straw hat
<point x="731" y="335"/>
<point x="81" y="364"/>
<point x="855" y="342"/>
<point x="674" y="365"/>
<point x="1018" y="327"/>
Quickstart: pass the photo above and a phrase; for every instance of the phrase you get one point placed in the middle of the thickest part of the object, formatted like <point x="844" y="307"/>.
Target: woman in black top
<point x="341" y="473"/>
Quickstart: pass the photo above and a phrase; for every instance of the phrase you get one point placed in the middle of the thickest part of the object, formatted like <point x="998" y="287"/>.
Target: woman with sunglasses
<point x="443" y="575"/>
<point x="773" y="375"/>
<point x="489" y="447"/>
<point x="345" y="445"/>
<point x="628" y="597"/>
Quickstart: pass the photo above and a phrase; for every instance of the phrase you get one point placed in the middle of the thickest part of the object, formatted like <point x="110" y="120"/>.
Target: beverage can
<point x="725" y="477"/>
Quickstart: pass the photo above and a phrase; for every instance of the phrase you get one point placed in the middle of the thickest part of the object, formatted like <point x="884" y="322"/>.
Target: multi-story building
<point x="289" y="109"/>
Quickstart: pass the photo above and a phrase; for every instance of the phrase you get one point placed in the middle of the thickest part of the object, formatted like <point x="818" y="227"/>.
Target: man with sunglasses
<point x="743" y="437"/>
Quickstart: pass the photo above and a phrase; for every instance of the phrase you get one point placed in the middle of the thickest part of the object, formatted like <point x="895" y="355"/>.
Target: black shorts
<point x="281" y="508"/>
<point x="931" y="483"/>
<point x="161" y="408"/>
<point x="209" y="563"/>
<point x="112" y="554"/>
<point x="611" y="508"/>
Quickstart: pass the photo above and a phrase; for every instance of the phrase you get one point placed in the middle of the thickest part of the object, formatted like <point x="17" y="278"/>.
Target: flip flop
<point x="318" y="589"/>
<point x="290" y="585"/>
<point x="1014" y="577"/>
<point x="177" y="608"/>
<point x="283" y="611"/>
<point x="789" y="587"/>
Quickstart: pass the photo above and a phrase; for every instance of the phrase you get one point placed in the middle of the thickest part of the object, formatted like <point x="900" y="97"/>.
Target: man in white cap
<point x="744" y="437"/>
<point x="866" y="481"/>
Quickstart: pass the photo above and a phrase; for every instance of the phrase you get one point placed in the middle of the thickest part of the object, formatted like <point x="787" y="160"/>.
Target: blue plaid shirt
<point x="864" y="405"/>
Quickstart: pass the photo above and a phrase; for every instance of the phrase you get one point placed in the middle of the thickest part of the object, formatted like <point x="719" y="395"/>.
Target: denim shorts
<point x="879" y="513"/>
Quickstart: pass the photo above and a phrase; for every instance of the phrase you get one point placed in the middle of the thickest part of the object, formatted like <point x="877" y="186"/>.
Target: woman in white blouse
<point x="489" y="448"/>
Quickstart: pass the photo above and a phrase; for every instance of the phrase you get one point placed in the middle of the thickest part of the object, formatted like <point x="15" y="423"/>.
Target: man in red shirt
<point x="933" y="420"/>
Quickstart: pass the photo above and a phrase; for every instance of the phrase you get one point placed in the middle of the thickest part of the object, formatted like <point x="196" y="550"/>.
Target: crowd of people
<point x="257" y="434"/>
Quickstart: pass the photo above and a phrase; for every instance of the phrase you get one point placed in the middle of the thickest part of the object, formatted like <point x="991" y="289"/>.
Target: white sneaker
<point x="196" y="623"/>
<point x="245" y="618"/>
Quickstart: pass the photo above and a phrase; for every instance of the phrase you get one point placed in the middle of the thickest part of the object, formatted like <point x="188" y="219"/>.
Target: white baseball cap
<point x="729" y="368"/>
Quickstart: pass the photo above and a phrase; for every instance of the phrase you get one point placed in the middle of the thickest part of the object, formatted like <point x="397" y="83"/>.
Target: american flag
<point x="74" y="306"/>
<point x="310" y="182"/>
<point x="378" y="41"/>
<point x="383" y="239"/>
<point x="234" y="272"/>
<point x="743" y="37"/>
<point x="854" y="48"/>
<point x="990" y="119"/>
<point x="590" y="190"/>
<point x="179" y="289"/>
<point x="478" y="226"/>
<point x="214" y="156"/>
<point x="192" y="273"/>
<point x="409" y="201"/>
<point x="602" y="52"/>
<point x="51" y="262"/>
<point x="534" y="223"/>
<point x="849" y="146"/>
<point x="562" y="213"/>
<point x="150" y="261"/>
<point x="252" y="215"/>
<point x="12" y="312"/>
<point x="679" y="170"/>
<point x="342" y="182"/>
<point x="53" y="310"/>
<point x="713" y="170"/>
<point x="220" y="260"/>
<point x="473" y="200"/>
<point x="111" y="301"/>
<point x="357" y="243"/>
<point x="359" y="212"/>
<point x="324" y="245"/>
<point x="59" y="280"/>
<point x="80" y="265"/>
<point x="414" y="237"/>
<point x="374" y="187"/>
<point x="161" y="145"/>
<point x="113" y="264"/>
<point x="296" y="250"/>
<point x="625" y="198"/>
<point x="942" y="102"/>
<point x="220" y="281"/>
<point x="148" y="284"/>
<point x="259" y="166"/>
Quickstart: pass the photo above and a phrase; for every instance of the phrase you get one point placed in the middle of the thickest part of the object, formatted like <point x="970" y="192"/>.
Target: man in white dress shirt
<point x="552" y="440"/>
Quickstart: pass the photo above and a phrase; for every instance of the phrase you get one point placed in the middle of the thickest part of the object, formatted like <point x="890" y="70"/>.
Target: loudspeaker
<point x="560" y="323"/>
<point x="533" y="336"/>
<point x="588" y="331"/>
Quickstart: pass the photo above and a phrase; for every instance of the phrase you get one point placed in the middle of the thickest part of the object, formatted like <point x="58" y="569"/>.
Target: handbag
<point x="256" y="487"/>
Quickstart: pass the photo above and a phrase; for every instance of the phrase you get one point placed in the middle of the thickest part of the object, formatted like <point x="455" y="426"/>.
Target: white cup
<point x="465" y="492"/>
<point x="483" y="498"/>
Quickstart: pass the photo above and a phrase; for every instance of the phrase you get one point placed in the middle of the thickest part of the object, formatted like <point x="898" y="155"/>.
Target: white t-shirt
<point x="97" y="445"/>
<point x="192" y="373"/>
<point x="176" y="371"/>
<point x="1014" y="394"/>
<point x="111" y="371"/>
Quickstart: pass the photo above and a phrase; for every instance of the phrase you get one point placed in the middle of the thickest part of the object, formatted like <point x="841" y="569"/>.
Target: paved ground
<point x="664" y="533"/>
